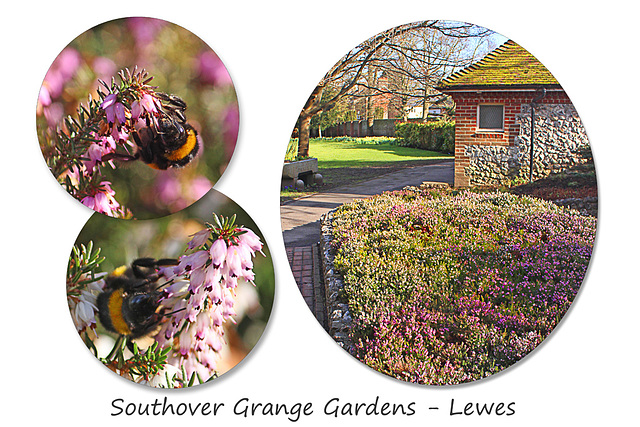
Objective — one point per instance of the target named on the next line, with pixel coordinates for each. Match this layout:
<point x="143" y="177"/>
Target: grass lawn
<point x="348" y="160"/>
<point x="335" y="154"/>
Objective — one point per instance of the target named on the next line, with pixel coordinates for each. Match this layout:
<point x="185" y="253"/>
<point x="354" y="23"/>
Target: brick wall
<point x="467" y="135"/>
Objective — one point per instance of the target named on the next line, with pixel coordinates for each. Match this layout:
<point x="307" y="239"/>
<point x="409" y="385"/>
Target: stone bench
<point x="301" y="170"/>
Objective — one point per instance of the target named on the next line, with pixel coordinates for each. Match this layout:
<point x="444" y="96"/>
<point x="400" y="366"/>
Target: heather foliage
<point x="446" y="288"/>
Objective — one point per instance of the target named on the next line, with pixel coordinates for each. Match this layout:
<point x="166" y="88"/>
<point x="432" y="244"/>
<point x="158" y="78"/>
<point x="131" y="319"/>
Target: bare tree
<point x="413" y="57"/>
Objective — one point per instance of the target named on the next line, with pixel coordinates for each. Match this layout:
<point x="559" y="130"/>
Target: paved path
<point x="300" y="221"/>
<point x="300" y="218"/>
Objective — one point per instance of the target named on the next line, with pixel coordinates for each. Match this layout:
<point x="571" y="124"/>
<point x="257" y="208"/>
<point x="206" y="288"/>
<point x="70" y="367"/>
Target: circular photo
<point x="172" y="302"/>
<point x="137" y="118"/>
<point x="439" y="202"/>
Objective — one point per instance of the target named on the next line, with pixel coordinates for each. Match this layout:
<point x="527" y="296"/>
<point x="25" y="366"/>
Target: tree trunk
<point x="303" y="136"/>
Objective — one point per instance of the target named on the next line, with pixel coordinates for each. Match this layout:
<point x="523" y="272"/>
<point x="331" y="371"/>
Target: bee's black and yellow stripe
<point x="110" y="306"/>
<point x="115" y="320"/>
<point x="186" y="149"/>
<point x="178" y="157"/>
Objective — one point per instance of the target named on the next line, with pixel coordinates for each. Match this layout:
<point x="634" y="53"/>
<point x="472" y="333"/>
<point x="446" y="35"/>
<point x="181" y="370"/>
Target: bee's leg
<point x="145" y="268"/>
<point x="166" y="261"/>
<point x="174" y="100"/>
<point x="120" y="157"/>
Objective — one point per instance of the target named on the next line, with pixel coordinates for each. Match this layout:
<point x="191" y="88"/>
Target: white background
<point x="276" y="52"/>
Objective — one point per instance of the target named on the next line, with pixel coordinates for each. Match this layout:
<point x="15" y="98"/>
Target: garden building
<point x="493" y="99"/>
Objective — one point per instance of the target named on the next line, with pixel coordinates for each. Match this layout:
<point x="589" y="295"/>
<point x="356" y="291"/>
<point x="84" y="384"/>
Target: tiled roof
<point x="508" y="66"/>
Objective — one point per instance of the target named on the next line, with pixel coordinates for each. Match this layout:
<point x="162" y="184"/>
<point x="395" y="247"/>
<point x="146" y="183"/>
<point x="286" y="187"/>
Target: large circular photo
<point x="137" y="118"/>
<point x="439" y="202"/>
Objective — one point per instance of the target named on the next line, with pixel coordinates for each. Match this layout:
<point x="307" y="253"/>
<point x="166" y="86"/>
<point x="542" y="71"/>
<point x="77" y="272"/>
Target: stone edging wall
<point x="337" y="312"/>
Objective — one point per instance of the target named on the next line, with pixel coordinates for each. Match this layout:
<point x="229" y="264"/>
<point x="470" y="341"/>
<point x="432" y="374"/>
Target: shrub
<point x="434" y="136"/>
<point x="445" y="289"/>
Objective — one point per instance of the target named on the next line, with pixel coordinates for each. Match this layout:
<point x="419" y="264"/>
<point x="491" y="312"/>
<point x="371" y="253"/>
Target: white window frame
<point x="479" y="129"/>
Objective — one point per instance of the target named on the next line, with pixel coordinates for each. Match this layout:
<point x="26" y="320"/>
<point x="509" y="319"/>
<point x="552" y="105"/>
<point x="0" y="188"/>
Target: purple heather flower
<point x="113" y="109"/>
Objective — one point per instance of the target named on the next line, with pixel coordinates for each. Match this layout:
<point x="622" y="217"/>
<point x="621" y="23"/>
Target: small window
<point x="491" y="117"/>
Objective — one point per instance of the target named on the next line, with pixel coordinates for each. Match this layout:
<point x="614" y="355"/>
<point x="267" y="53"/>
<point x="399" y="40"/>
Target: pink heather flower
<point x="213" y="338"/>
<point x="44" y="97"/>
<point x="61" y="71"/>
<point x="84" y="307"/>
<point x="149" y="103"/>
<point x="193" y="261"/>
<point x="216" y="290"/>
<point x="197" y="279"/>
<point x="211" y="277"/>
<point x="146" y="104"/>
<point x="233" y="261"/>
<point x="199" y="238"/>
<point x="176" y="287"/>
<point x="102" y="203"/>
<point x="103" y="200"/>
<point x="54" y="114"/>
<point x="217" y="319"/>
<point x="245" y="253"/>
<point x="95" y="153"/>
<point x="250" y="239"/>
<point x="218" y="252"/>
<point x="203" y="324"/>
<point x="67" y="63"/>
<point x="228" y="279"/>
<point x="119" y="134"/>
<point x="249" y="276"/>
<point x="196" y="304"/>
<point x="187" y="339"/>
<point x="208" y="358"/>
<point x="84" y="311"/>
<point x="113" y="109"/>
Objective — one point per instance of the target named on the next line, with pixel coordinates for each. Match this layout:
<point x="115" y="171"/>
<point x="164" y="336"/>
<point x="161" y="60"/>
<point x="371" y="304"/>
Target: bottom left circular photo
<point x="171" y="302"/>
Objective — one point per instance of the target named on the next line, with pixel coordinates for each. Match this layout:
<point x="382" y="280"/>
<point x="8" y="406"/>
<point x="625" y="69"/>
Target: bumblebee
<point x="131" y="303"/>
<point x="166" y="142"/>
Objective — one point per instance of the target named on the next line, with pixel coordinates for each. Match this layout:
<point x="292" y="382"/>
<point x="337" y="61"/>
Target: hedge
<point x="434" y="136"/>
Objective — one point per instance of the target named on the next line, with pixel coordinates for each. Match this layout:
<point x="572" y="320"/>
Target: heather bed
<point x="446" y="287"/>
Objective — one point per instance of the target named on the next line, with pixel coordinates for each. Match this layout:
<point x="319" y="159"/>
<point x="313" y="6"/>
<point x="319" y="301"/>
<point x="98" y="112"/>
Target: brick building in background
<point x="493" y="100"/>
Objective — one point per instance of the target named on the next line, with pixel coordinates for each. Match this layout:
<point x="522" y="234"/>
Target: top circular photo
<point x="137" y="118"/>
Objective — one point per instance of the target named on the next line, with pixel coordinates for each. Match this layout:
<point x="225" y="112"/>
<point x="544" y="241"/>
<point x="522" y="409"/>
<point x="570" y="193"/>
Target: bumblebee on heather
<point x="167" y="140"/>
<point x="131" y="303"/>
